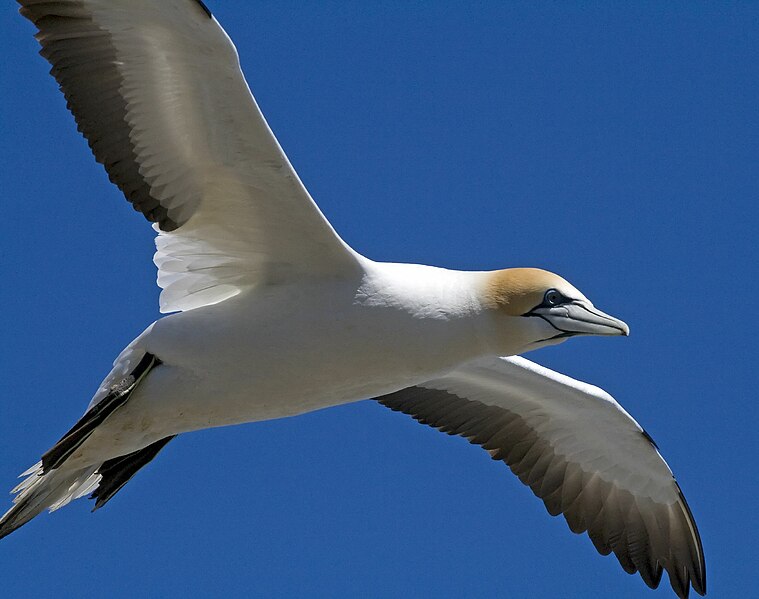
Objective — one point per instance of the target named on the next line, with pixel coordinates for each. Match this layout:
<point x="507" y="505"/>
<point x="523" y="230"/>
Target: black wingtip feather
<point x="205" y="8"/>
<point x="699" y="580"/>
<point x="649" y="438"/>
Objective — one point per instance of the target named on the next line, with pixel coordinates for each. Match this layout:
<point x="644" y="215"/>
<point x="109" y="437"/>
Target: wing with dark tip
<point x="579" y="451"/>
<point x="157" y="90"/>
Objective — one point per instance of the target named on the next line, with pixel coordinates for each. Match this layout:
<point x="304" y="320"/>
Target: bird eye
<point x="553" y="297"/>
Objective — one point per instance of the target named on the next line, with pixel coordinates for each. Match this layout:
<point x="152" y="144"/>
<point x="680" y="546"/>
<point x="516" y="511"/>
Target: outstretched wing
<point x="579" y="451"/>
<point x="157" y="90"/>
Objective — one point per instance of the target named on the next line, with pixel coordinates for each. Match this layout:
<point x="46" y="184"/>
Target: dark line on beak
<point x="562" y="333"/>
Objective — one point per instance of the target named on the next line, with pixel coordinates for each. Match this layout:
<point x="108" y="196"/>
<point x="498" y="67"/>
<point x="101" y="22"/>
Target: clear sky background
<point x="616" y="146"/>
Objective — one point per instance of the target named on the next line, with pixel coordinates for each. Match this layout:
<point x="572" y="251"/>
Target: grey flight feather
<point x="84" y="63"/>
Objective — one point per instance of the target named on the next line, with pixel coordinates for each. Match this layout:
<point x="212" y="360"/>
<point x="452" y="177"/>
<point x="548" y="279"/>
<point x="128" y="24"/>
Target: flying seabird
<point x="272" y="314"/>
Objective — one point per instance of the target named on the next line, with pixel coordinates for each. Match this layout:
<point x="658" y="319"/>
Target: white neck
<point x="441" y="308"/>
<point x="446" y="306"/>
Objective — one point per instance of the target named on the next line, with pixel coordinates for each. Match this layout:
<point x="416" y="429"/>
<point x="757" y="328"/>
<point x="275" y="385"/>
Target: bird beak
<point x="582" y="319"/>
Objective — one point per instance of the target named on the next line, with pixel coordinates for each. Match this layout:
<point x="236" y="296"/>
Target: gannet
<point x="271" y="314"/>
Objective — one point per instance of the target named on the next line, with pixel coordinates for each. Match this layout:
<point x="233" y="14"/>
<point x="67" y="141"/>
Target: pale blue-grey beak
<point x="580" y="318"/>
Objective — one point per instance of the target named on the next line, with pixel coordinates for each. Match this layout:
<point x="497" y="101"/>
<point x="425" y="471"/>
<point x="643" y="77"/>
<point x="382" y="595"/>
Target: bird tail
<point x="52" y="489"/>
<point x="54" y="481"/>
<point x="49" y="490"/>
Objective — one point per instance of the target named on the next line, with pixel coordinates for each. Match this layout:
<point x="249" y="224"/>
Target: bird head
<point x="538" y="308"/>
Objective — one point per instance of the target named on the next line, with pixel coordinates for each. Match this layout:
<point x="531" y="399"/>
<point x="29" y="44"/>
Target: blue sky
<point x="616" y="146"/>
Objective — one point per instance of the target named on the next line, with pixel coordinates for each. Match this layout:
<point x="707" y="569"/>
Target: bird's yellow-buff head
<point x="544" y="308"/>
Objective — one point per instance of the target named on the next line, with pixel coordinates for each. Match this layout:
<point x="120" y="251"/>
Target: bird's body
<point x="274" y="315"/>
<point x="288" y="349"/>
